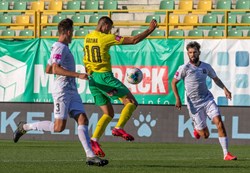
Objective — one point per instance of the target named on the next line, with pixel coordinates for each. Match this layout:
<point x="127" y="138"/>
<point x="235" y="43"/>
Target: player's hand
<point x="178" y="104"/>
<point x="84" y="76"/>
<point x="228" y="94"/>
<point x="152" y="25"/>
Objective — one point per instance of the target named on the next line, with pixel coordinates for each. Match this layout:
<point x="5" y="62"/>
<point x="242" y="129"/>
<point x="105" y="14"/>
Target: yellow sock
<point x="125" y="114"/>
<point x="101" y="126"/>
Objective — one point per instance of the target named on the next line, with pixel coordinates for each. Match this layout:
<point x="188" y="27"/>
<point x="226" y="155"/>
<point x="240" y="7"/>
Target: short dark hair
<point x="65" y="25"/>
<point x="106" y="20"/>
<point x="193" y="44"/>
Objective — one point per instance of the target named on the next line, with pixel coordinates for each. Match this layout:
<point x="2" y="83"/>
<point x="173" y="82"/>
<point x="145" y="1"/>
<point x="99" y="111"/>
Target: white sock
<point x="224" y="144"/>
<point x="83" y="135"/>
<point x="40" y="126"/>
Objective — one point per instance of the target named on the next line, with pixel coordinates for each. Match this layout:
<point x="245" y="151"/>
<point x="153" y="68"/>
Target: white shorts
<point x="209" y="110"/>
<point x="68" y="103"/>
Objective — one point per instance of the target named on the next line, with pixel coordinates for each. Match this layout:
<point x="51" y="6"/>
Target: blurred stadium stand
<point x="41" y="17"/>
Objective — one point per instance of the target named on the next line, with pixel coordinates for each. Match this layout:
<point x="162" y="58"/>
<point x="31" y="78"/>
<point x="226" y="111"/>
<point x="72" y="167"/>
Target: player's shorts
<point x="67" y="103"/>
<point x="210" y="110"/>
<point x="104" y="86"/>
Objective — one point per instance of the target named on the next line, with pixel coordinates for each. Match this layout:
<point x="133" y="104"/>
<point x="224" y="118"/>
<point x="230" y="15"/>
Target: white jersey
<point x="67" y="101"/>
<point x="61" y="55"/>
<point x="195" y="84"/>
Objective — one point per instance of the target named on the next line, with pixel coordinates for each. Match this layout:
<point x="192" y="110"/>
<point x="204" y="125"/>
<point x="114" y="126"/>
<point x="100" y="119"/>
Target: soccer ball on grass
<point x="134" y="75"/>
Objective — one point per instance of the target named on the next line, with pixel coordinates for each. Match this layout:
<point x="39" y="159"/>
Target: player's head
<point x="104" y="25"/>
<point x="65" y="29"/>
<point x="193" y="51"/>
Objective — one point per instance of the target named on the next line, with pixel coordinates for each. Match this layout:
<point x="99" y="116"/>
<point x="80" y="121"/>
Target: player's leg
<point x="108" y="114"/>
<point x="214" y="114"/>
<point x="23" y="127"/>
<point x="76" y="111"/>
<point x="130" y="105"/>
<point x="115" y="89"/>
<point x="223" y="139"/>
<point x="84" y="138"/>
<point x="60" y="114"/>
<point x="200" y="125"/>
<point x="99" y="90"/>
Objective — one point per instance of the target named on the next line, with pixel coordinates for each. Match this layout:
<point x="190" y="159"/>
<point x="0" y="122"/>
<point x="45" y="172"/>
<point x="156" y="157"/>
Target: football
<point x="134" y="75"/>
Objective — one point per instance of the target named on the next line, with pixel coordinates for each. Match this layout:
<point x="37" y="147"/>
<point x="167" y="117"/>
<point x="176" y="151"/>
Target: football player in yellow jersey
<point x="103" y="85"/>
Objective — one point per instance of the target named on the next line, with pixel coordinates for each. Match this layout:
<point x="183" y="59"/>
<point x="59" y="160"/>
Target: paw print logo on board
<point x="145" y="125"/>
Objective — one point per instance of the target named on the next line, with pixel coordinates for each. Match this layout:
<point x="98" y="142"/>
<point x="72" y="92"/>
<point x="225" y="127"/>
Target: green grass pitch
<point x="124" y="157"/>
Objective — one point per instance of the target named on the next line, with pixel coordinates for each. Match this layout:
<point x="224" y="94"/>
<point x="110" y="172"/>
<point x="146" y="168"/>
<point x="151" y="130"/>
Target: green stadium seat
<point x="235" y="33"/>
<point x="72" y="5"/>
<point x="166" y="5"/>
<point x="109" y="5"/>
<point x="151" y="17"/>
<point x="91" y="5"/>
<point x="56" y="19"/>
<point x="82" y="32"/>
<point x="158" y="32"/>
<point x="241" y="5"/>
<point x="93" y="19"/>
<point x="137" y="31"/>
<point x="215" y="33"/>
<point x="208" y="18"/>
<point x="4" y="6"/>
<point x="26" y="33"/>
<point x="245" y="19"/>
<point x="78" y="19"/>
<point x="18" y="6"/>
<point x="195" y="33"/>
<point x="5" y="19"/>
<point x="46" y="32"/>
<point x="177" y="32"/>
<point x="222" y="5"/>
<point x="232" y="19"/>
<point x="8" y="33"/>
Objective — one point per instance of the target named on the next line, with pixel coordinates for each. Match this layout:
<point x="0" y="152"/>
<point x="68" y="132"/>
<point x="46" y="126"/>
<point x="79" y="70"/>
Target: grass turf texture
<point x="124" y="157"/>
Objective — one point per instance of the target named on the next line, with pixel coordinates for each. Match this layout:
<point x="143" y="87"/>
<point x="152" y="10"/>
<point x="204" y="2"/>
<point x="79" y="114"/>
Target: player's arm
<point x="48" y="69"/>
<point x="176" y="93"/>
<point x="58" y="70"/>
<point x="137" y="38"/>
<point x="220" y="84"/>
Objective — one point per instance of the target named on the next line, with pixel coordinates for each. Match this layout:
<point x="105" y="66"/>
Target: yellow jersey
<point x="96" y="51"/>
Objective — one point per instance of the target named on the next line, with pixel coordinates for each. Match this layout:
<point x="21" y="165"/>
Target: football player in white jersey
<point x="67" y="101"/>
<point x="200" y="101"/>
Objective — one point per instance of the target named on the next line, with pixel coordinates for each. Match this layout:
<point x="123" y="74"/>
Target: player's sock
<point x="40" y="126"/>
<point x="101" y="126"/>
<point x="224" y="144"/>
<point x="125" y="115"/>
<point x="83" y="135"/>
